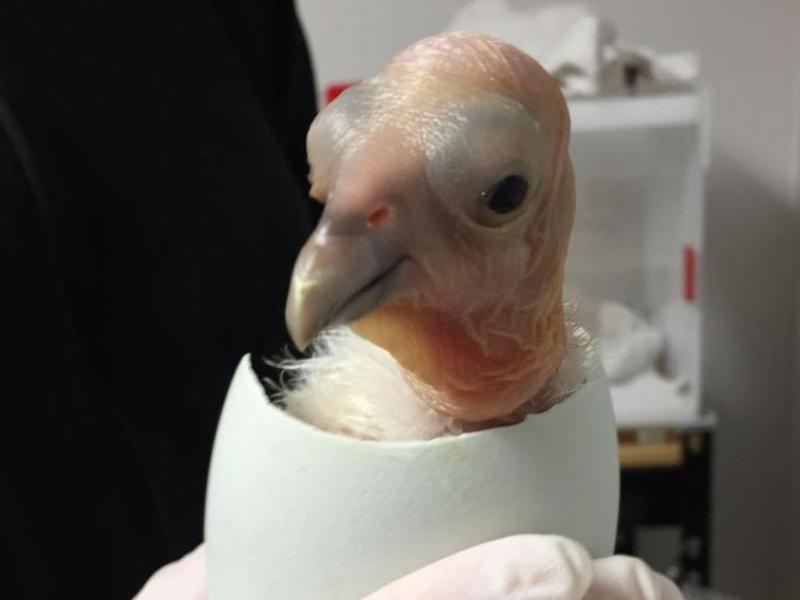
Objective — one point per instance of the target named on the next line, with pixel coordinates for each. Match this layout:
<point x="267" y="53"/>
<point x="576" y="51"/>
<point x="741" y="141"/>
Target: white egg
<point x="298" y="513"/>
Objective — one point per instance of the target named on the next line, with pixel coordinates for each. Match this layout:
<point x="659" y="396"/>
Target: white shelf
<point x="669" y="110"/>
<point x="639" y="163"/>
<point x="706" y="421"/>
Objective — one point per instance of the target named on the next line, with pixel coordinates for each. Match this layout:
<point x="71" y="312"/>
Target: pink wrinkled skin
<point x="474" y="311"/>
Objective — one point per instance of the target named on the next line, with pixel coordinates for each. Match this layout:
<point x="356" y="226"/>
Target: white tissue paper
<point x="630" y="348"/>
<point x="579" y="48"/>
<point x="630" y="345"/>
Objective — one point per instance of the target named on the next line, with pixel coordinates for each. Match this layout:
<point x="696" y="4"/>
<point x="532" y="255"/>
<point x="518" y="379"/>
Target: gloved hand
<point x="528" y="567"/>
<point x="531" y="567"/>
<point x="184" y="579"/>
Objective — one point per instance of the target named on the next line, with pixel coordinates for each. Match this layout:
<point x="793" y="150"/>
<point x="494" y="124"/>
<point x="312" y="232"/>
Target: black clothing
<point x="152" y="201"/>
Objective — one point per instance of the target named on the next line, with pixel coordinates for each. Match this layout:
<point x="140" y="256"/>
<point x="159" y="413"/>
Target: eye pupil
<point x="507" y="195"/>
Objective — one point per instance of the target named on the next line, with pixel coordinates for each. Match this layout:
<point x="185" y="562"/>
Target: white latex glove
<point x="524" y="567"/>
<point x="184" y="579"/>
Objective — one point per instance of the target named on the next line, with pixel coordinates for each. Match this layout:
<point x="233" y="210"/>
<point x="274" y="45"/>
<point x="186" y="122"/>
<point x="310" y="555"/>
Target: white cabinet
<point x="639" y="164"/>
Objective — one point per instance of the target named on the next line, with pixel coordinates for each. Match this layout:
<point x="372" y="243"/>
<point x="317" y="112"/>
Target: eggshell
<point x="297" y="513"/>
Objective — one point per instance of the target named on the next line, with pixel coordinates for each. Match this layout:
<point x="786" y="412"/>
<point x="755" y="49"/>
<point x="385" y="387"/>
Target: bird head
<point x="449" y="201"/>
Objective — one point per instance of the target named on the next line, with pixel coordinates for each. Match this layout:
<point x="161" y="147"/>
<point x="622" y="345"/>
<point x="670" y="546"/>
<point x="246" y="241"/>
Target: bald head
<point x="449" y="203"/>
<point x="485" y="65"/>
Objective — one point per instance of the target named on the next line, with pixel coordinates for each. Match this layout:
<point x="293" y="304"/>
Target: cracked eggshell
<point x="295" y="512"/>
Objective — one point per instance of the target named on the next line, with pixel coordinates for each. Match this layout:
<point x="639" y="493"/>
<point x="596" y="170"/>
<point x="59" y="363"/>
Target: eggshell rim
<point x="344" y="439"/>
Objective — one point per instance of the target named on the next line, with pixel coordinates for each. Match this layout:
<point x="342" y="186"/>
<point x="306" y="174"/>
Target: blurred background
<point x="686" y="127"/>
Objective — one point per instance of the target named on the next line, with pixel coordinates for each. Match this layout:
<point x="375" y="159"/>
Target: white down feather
<point x="351" y="386"/>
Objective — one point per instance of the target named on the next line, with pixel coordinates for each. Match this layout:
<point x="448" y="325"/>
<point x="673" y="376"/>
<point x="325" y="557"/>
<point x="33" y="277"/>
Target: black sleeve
<point x="168" y="145"/>
<point x="260" y="31"/>
<point x="64" y="447"/>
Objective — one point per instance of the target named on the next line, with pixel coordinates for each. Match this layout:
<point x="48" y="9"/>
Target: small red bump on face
<point x="378" y="216"/>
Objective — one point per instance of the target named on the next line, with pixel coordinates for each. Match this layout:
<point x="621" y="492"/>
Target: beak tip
<point x="300" y="343"/>
<point x="300" y="339"/>
<point x="301" y="331"/>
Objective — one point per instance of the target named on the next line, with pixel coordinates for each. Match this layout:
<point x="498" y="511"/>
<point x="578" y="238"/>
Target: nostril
<point x="378" y="216"/>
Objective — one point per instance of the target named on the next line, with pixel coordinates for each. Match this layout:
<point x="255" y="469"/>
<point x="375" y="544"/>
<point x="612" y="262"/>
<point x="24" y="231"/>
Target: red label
<point x="334" y="89"/>
<point x="689" y="273"/>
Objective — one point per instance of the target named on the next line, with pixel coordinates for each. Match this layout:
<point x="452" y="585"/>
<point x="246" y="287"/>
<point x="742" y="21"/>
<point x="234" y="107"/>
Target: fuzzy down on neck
<point x="353" y="387"/>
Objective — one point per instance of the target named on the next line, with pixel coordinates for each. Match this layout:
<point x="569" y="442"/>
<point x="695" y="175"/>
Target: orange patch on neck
<point x="471" y="376"/>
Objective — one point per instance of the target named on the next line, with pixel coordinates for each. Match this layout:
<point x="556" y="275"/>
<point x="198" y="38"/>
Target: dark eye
<point x="507" y="195"/>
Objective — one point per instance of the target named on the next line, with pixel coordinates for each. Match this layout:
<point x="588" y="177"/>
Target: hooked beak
<point x="342" y="273"/>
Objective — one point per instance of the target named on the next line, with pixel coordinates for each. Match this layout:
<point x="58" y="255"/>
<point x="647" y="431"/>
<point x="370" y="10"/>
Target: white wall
<point x="749" y="53"/>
